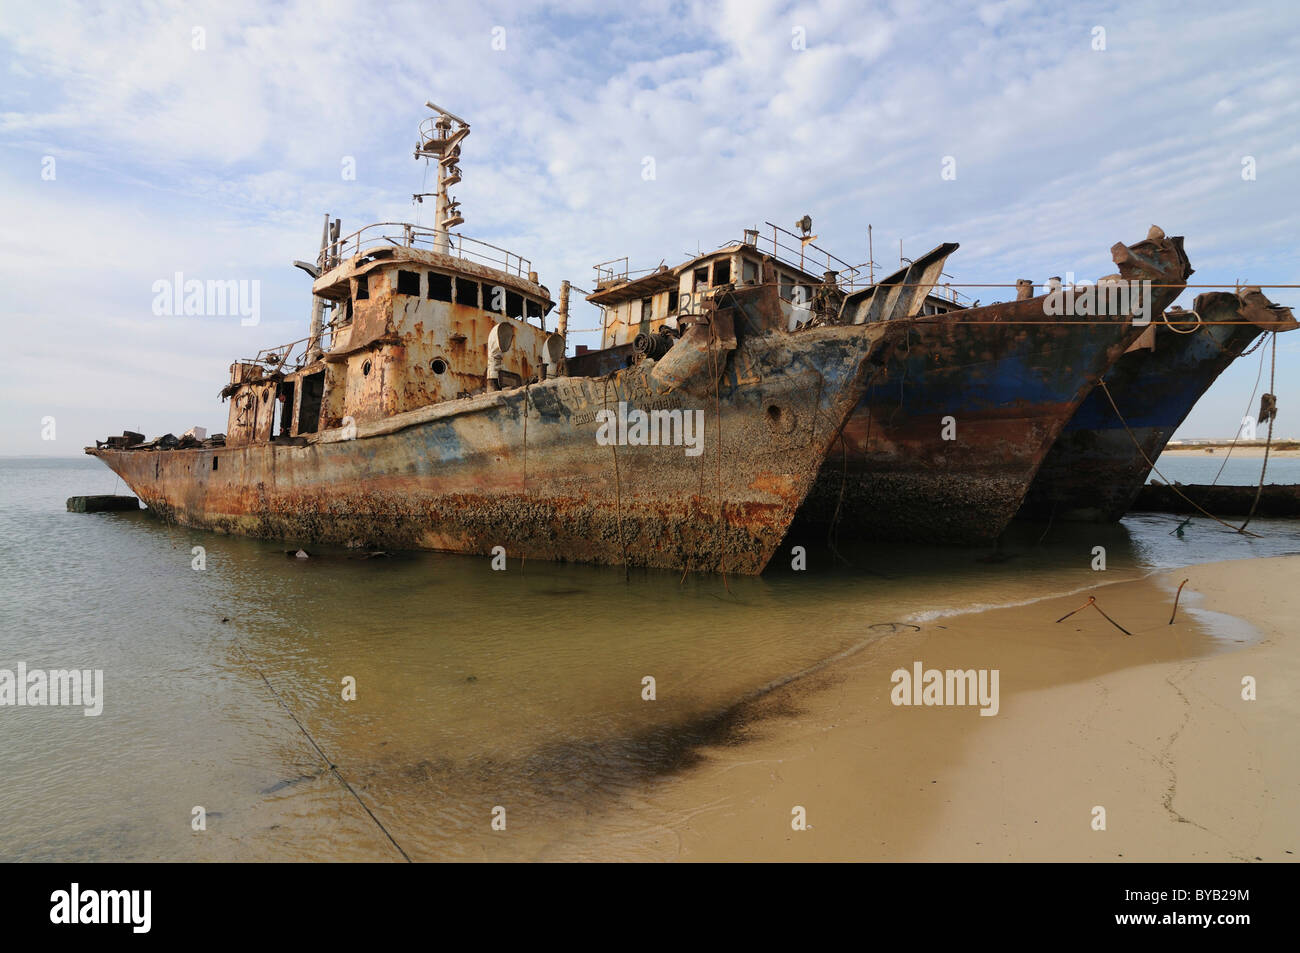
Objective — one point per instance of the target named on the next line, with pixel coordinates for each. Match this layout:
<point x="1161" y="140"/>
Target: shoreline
<point x="1246" y="451"/>
<point x="1151" y="727"/>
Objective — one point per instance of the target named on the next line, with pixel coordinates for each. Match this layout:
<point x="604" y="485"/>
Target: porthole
<point x="780" y="419"/>
<point x="438" y="366"/>
<point x="365" y="369"/>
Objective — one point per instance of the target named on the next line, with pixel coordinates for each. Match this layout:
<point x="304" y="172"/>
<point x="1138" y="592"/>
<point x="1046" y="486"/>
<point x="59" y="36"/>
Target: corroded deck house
<point x="416" y="316"/>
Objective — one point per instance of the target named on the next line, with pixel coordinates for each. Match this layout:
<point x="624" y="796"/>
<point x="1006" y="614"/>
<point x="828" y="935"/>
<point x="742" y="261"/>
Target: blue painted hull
<point x="1097" y="467"/>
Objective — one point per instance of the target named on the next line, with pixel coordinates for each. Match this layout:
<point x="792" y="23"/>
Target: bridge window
<point x="748" y="271"/>
<point x="534" y="308"/>
<point x="721" y="272"/>
<point x="363" y="287"/>
<point x="439" y="286"/>
<point x="701" y="276"/>
<point x="467" y="292"/>
<point x="787" y="286"/>
<point x="647" y="308"/>
<point x="408" y="283"/>
<point x="672" y="302"/>
<point x="514" y="304"/>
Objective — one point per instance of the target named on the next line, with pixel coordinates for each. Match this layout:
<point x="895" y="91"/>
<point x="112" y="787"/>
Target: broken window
<point x="466" y="292"/>
<point x="408" y="283"/>
<point x="363" y="287"/>
<point x="313" y="390"/>
<point x="534" y="308"/>
<point x="647" y="309"/>
<point x="439" y="286"/>
<point x="748" y="271"/>
<point x="721" y="272"/>
<point x="514" y="304"/>
<point x="701" y="276"/>
<point x="672" y="302"/>
<point x="787" y="286"/>
<point x="285" y="395"/>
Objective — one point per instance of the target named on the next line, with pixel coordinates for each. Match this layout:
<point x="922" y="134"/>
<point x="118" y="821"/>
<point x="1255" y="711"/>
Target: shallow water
<point x="474" y="689"/>
<point x="1234" y="470"/>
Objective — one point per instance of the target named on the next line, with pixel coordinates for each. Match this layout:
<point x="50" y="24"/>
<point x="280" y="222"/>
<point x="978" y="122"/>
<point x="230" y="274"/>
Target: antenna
<point x="440" y="138"/>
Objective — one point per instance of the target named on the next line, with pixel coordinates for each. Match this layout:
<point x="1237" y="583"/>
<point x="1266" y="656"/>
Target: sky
<point x="138" y="141"/>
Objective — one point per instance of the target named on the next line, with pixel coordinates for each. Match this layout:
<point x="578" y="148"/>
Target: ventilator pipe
<point x="553" y="356"/>
<point x="500" y="338"/>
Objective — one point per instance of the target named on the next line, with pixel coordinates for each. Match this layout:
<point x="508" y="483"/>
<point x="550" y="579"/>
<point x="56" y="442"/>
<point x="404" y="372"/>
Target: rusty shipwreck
<point x="1099" y="463"/>
<point x="950" y="431"/>
<point x="431" y="407"/>
<point x="949" y="435"/>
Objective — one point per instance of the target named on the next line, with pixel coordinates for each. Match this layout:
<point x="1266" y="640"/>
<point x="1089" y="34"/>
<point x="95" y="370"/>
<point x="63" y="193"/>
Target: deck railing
<point x="406" y="235"/>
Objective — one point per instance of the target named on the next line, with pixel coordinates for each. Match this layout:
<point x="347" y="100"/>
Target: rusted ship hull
<point x="1004" y="392"/>
<point x="944" y="444"/>
<point x="1097" y="467"/>
<point x="522" y="469"/>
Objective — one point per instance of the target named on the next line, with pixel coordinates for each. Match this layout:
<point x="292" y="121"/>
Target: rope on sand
<point x="1177" y="596"/>
<point x="1092" y="601"/>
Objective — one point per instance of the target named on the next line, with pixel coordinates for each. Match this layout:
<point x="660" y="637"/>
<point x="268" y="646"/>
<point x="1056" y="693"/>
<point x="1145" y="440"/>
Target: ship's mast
<point x="440" y="138"/>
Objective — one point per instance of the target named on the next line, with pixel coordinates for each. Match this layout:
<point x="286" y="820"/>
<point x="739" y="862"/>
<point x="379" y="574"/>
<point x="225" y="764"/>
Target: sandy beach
<point x="1150" y="727"/>
<point x="1251" y="451"/>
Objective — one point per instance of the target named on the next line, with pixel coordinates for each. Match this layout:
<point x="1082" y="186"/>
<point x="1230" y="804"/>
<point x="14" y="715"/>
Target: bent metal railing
<point x="404" y="234"/>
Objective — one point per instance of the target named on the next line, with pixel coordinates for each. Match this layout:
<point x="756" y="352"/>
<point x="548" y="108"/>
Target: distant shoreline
<point x="1280" y="448"/>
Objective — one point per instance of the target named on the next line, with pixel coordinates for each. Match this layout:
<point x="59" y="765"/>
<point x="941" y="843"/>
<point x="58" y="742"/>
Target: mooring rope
<point x="1268" y="444"/>
<point x="1249" y="404"/>
<point x="324" y="757"/>
<point x="714" y="346"/>
<point x="618" y="491"/>
<point x="523" y="558"/>
<point x="832" y="531"/>
<point x="1151" y="464"/>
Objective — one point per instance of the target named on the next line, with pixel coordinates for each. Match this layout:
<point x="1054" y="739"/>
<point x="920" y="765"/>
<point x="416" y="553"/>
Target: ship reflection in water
<point x="474" y="688"/>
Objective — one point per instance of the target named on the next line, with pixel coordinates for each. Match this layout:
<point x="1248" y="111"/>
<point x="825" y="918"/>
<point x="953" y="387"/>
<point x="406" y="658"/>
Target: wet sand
<point x="1151" y="727"/>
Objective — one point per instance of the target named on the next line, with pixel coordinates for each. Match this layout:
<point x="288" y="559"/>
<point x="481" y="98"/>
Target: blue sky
<point x="219" y="161"/>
